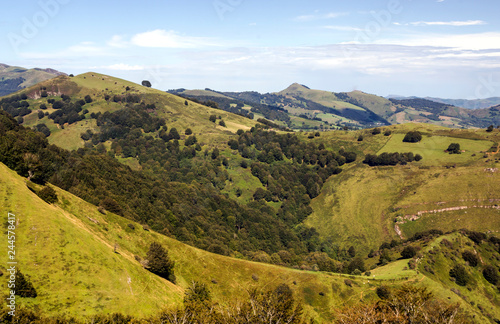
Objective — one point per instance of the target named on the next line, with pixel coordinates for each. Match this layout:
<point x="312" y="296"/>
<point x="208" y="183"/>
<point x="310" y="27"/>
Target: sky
<point x="437" y="48"/>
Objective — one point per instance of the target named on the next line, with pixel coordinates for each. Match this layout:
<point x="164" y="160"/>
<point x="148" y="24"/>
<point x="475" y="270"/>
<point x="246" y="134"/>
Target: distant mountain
<point x="469" y="104"/>
<point x="463" y="103"/>
<point x="14" y="78"/>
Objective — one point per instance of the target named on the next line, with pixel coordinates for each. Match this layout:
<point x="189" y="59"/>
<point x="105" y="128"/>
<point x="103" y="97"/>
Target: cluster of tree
<point x="408" y="304"/>
<point x="172" y="195"/>
<point x="158" y="262"/>
<point x="276" y="305"/>
<point x="391" y="158"/>
<point x="422" y="104"/>
<point x="16" y="105"/>
<point x="412" y="137"/>
<point x="10" y="85"/>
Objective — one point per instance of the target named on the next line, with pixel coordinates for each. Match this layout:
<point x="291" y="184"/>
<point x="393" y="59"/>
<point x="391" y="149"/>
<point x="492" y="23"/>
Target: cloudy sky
<point x="442" y="48"/>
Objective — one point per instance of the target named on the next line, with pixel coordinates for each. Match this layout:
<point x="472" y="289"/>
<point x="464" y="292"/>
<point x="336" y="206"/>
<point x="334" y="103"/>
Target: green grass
<point x="432" y="148"/>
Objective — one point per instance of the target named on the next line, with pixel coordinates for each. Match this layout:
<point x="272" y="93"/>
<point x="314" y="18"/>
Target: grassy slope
<point x="325" y="98"/>
<point x="358" y="207"/>
<point x="171" y="107"/>
<point x="68" y="252"/>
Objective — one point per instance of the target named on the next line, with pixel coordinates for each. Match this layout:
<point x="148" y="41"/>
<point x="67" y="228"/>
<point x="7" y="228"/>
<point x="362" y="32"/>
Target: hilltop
<point x="14" y="78"/>
<point x="310" y="109"/>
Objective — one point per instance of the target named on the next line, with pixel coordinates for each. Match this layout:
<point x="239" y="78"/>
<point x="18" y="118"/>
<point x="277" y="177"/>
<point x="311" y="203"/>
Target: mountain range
<point x="242" y="203"/>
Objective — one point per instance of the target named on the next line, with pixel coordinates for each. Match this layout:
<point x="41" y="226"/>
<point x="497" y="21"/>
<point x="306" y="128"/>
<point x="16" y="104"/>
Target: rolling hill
<point x="324" y="110"/>
<point x="13" y="78"/>
<point x="228" y="184"/>
<point x="83" y="262"/>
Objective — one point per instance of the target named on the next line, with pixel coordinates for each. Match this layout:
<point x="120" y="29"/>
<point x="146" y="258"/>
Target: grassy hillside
<point x="363" y="205"/>
<point x="83" y="262"/>
<point x="172" y="108"/>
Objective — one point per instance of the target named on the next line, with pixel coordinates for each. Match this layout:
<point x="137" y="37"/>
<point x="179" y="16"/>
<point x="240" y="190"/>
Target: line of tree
<point x="391" y="158"/>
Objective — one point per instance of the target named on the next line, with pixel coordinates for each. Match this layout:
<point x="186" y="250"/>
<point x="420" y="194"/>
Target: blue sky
<point x="443" y="48"/>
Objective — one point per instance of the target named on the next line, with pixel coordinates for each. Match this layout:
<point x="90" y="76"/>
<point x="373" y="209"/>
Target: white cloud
<point x="477" y="41"/>
<point x="170" y="39"/>
<point x="117" y="41"/>
<point x="449" y="23"/>
<point x="329" y="15"/>
<point x="123" y="67"/>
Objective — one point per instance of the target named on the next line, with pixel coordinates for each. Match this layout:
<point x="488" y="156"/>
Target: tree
<point x="490" y="273"/>
<point x="215" y="153"/>
<point x="212" y="118"/>
<point x="460" y="274"/>
<point x="48" y="195"/>
<point x="88" y="99"/>
<point x="357" y="263"/>
<point x="490" y="129"/>
<point x="360" y="138"/>
<point x="376" y="131"/>
<point x="222" y="123"/>
<point x="188" y="131"/>
<point x="387" y="133"/>
<point x="111" y="205"/>
<point x="413" y="137"/>
<point x="159" y="262"/>
<point x="471" y="258"/>
<point x="454" y="148"/>
<point x="146" y="83"/>
<point x="408" y="252"/>
<point x="352" y="251"/>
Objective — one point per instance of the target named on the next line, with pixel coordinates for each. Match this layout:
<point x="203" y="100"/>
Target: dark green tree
<point x="88" y="99"/>
<point x="159" y="263"/>
<point x="412" y="137"/>
<point x="48" y="195"/>
<point x="212" y="118"/>
<point x="460" y="274"/>
<point x="490" y="273"/>
<point x="408" y="252"/>
<point x="146" y="83"/>
<point x="454" y="148"/>
<point x="188" y="131"/>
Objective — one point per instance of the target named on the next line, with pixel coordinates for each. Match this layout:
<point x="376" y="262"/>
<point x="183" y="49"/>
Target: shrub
<point x="360" y="138"/>
<point x="471" y="258"/>
<point x="111" y="205"/>
<point x="88" y="99"/>
<point x="460" y="275"/>
<point x="454" y="148"/>
<point x="48" y="195"/>
<point x="408" y="252"/>
<point x="490" y="129"/>
<point x="387" y="133"/>
<point x="383" y="292"/>
<point x="222" y="123"/>
<point x="212" y="118"/>
<point x="376" y="131"/>
<point x="413" y="137"/>
<point x="188" y="131"/>
<point x="159" y="262"/>
<point x="490" y="273"/>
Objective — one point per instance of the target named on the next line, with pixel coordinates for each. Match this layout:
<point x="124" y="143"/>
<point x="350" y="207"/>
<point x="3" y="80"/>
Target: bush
<point x="48" y="195"/>
<point x="360" y="138"/>
<point x="188" y="131"/>
<point x="159" y="262"/>
<point x="222" y="123"/>
<point x="376" y="131"/>
<point x="383" y="292"/>
<point x="111" y="205"/>
<point x="413" y="137"/>
<point x="408" y="252"/>
<point x="490" y="273"/>
<point x="212" y="118"/>
<point x="454" y="148"/>
<point x="387" y="133"/>
<point x="490" y="129"/>
<point x="471" y="258"/>
<point x="460" y="274"/>
<point x="88" y="99"/>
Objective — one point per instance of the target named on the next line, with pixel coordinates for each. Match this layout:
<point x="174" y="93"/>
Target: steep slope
<point x="365" y="206"/>
<point x="13" y="78"/>
<point x="177" y="112"/>
<point x="83" y="262"/>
